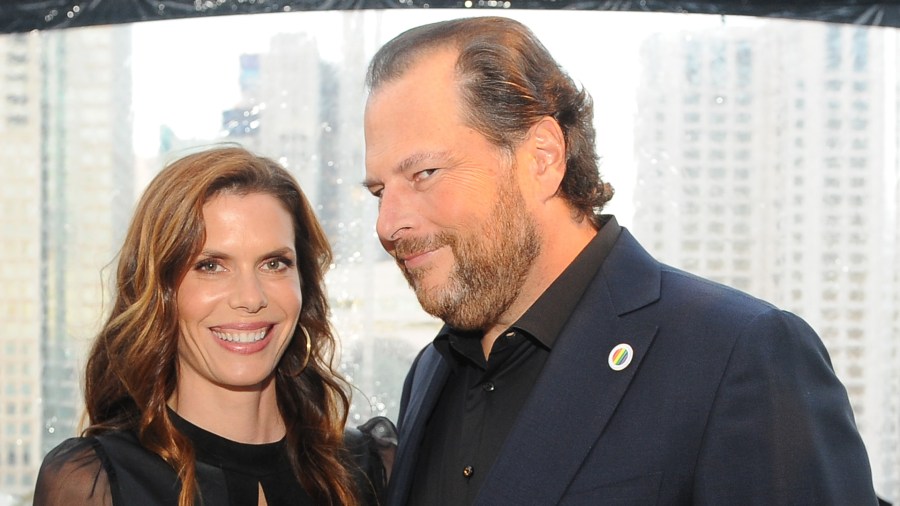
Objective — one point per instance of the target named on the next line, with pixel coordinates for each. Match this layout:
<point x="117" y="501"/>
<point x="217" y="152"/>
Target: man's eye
<point x="423" y="174"/>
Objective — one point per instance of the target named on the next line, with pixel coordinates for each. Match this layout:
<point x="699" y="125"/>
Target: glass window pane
<point x="761" y="153"/>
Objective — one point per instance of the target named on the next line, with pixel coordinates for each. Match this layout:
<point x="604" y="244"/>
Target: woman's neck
<point x="245" y="416"/>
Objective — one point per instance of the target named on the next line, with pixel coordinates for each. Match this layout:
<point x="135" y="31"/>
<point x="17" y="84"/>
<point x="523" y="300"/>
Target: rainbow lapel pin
<point x="620" y="357"/>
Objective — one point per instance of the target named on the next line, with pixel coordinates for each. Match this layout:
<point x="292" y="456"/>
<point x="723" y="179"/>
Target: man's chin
<point x="453" y="313"/>
<point x="429" y="302"/>
<point x="435" y="302"/>
<point x="425" y="283"/>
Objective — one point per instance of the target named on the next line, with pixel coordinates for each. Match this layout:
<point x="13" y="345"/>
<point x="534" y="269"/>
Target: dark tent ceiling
<point x="27" y="15"/>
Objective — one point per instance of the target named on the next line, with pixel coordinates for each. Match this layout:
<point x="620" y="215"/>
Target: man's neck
<point x="559" y="249"/>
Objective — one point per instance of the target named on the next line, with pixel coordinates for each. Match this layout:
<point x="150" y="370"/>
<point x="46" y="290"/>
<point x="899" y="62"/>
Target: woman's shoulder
<point x="371" y="447"/>
<point x="97" y="470"/>
<point x="73" y="473"/>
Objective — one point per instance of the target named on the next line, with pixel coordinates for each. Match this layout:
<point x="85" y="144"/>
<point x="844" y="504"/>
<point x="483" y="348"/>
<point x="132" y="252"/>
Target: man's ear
<point x="549" y="150"/>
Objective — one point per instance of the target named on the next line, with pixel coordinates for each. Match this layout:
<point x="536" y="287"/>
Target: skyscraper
<point x="21" y="303"/>
<point x="761" y="165"/>
<point x="68" y="131"/>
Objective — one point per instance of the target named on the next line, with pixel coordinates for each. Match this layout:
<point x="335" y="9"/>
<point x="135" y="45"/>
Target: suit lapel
<point x="429" y="377"/>
<point x="578" y="391"/>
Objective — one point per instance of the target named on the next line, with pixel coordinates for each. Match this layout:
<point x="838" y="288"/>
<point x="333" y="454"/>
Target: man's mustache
<point x="409" y="246"/>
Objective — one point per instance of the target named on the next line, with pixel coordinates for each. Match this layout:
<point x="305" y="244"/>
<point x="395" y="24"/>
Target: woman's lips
<point x="244" y="338"/>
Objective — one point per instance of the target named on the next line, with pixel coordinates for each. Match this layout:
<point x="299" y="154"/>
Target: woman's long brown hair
<point x="140" y="338"/>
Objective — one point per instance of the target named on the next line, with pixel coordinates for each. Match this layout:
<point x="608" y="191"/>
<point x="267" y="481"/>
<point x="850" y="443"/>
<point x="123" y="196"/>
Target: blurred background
<point x="746" y="147"/>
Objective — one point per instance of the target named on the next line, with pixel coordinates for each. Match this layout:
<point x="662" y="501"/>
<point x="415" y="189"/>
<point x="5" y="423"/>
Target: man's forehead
<point x="426" y="65"/>
<point x="430" y="88"/>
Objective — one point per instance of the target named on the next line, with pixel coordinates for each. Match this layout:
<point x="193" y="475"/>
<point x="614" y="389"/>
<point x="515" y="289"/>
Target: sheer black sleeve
<point x="73" y="473"/>
<point x="372" y="446"/>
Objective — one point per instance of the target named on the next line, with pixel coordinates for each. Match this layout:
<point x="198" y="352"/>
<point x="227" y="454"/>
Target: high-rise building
<point x="307" y="112"/>
<point x="242" y="122"/>
<point x="290" y="107"/>
<point x="21" y="303"/>
<point x="761" y="165"/>
<point x="68" y="133"/>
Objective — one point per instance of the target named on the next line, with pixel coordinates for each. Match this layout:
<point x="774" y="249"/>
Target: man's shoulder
<point x="644" y="287"/>
<point x="426" y="359"/>
<point x="696" y="289"/>
<point x="689" y="303"/>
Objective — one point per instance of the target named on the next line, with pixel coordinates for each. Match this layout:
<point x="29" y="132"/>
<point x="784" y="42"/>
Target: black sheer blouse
<point x="113" y="469"/>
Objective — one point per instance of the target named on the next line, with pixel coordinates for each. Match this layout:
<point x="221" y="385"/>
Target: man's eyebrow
<point x="408" y="162"/>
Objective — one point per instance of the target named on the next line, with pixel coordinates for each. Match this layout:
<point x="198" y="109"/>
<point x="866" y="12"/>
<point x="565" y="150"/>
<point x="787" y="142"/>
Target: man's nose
<point x="394" y="216"/>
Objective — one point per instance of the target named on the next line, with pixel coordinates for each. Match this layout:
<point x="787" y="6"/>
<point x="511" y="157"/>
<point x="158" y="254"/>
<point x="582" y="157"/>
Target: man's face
<point x="451" y="208"/>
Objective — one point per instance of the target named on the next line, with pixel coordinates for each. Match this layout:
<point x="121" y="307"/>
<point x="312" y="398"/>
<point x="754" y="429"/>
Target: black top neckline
<point x="257" y="460"/>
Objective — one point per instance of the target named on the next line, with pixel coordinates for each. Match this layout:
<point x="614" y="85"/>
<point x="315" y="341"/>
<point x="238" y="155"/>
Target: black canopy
<point x="27" y="15"/>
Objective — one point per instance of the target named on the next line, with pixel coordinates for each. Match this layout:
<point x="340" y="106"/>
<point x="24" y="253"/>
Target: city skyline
<point x="704" y="121"/>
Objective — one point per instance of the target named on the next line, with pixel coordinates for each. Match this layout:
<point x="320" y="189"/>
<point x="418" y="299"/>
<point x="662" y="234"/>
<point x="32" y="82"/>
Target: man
<point x="573" y="368"/>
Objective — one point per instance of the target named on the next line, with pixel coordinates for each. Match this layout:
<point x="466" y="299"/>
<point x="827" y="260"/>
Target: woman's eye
<point x="278" y="264"/>
<point x="208" y="266"/>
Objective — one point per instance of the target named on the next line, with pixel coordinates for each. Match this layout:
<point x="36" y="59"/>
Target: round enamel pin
<point x="620" y="357"/>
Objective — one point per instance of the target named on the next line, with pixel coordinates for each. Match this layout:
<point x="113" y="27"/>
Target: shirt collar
<point x="545" y="319"/>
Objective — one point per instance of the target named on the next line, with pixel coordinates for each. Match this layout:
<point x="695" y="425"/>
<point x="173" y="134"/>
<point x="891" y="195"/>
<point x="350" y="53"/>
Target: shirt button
<point x="488" y="387"/>
<point x="468" y="471"/>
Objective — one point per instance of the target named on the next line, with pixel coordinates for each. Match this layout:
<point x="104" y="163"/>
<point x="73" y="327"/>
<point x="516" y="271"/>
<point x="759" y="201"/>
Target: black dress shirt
<point x="482" y="398"/>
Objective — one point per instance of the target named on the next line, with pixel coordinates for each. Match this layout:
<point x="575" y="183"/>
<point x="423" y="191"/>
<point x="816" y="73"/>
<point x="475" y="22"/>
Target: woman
<point x="212" y="379"/>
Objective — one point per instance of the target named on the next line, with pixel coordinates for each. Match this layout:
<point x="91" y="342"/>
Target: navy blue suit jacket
<point x="728" y="401"/>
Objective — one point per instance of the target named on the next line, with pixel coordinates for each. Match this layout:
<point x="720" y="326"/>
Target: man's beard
<point x="491" y="266"/>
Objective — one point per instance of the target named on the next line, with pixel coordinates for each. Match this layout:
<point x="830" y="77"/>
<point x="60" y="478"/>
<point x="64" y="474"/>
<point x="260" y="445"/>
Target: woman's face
<point x="240" y="300"/>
